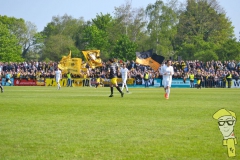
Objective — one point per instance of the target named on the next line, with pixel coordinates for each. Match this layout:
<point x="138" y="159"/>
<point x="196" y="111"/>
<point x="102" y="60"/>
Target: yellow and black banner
<point x="80" y="82"/>
<point x="93" y="58"/>
<point x="148" y="58"/>
<point x="72" y="65"/>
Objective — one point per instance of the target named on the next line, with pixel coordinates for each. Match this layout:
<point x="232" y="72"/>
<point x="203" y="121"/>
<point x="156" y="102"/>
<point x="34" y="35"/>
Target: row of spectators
<point x="213" y="72"/>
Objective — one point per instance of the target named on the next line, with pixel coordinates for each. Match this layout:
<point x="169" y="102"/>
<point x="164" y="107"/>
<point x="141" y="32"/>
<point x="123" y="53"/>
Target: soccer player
<point x="1" y="84"/>
<point x="124" y="72"/>
<point x="1" y="88"/>
<point x="98" y="78"/>
<point x="8" y="78"/>
<point x="58" y="76"/>
<point x="167" y="72"/>
<point x="161" y="69"/>
<point x="113" y="77"/>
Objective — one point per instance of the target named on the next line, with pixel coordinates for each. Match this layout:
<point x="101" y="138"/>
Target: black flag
<point x="149" y="58"/>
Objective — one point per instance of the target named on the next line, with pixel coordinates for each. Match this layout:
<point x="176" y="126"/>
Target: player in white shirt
<point x="167" y="72"/>
<point x="124" y="73"/>
<point x="161" y="71"/>
<point x="58" y="76"/>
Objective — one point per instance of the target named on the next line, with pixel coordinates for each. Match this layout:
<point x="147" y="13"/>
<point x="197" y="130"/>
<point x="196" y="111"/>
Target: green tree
<point x="24" y="32"/>
<point x="61" y="35"/>
<point x="162" y="27"/>
<point x="16" y="27"/>
<point x="203" y="26"/>
<point x="57" y="46"/>
<point x="230" y="50"/>
<point x="10" y="50"/>
<point x="36" y="50"/>
<point x="131" y="22"/>
<point x="29" y="39"/>
<point x="64" y="25"/>
<point x="125" y="49"/>
<point x="96" y="35"/>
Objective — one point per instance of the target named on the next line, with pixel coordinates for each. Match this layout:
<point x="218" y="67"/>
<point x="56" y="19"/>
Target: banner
<point x="143" y="57"/>
<point x="235" y="84"/>
<point x="72" y="65"/>
<point x="156" y="61"/>
<point x="93" y="58"/>
<point x="25" y="82"/>
<point x="40" y="81"/>
<point x="178" y="83"/>
<point x="5" y="83"/>
<point x="149" y="58"/>
<point x="52" y="82"/>
<point x="76" y="82"/>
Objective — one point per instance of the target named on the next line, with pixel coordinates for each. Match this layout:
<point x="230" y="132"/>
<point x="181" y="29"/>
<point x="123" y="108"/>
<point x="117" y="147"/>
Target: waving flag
<point x="93" y="58"/>
<point x="68" y="64"/>
<point x="148" y="58"/>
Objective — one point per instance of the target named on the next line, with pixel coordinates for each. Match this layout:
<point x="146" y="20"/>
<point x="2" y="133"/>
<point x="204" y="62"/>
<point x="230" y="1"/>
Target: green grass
<point x="84" y="123"/>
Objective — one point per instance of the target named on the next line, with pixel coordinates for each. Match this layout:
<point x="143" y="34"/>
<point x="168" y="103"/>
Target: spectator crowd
<point x="213" y="73"/>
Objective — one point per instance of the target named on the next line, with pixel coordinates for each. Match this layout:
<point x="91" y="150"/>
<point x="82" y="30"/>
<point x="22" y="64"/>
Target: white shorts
<point x="163" y="82"/>
<point x="124" y="80"/>
<point x="167" y="83"/>
<point x="57" y="80"/>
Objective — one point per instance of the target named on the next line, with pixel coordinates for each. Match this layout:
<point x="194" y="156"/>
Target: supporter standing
<point x="69" y="79"/>
<point x="199" y="80"/>
<point x="221" y="78"/>
<point x="207" y="80"/>
<point x="184" y="66"/>
<point x="124" y="72"/>
<point x="86" y="81"/>
<point x="58" y="76"/>
<point x="167" y="76"/>
<point x="235" y="76"/>
<point x="191" y="77"/>
<point x="216" y="81"/>
<point x="146" y="79"/>
<point x="238" y="67"/>
<point x="229" y="79"/>
<point x="113" y="77"/>
<point x="203" y="79"/>
<point x="184" y="76"/>
<point x="211" y="80"/>
<point x="224" y="79"/>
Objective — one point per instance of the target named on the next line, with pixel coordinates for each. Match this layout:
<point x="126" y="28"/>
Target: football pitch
<point x="84" y="123"/>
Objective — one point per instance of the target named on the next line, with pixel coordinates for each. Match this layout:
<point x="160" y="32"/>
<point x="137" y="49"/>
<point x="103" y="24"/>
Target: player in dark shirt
<point x="1" y="83"/>
<point x="199" y="78"/>
<point x="1" y="87"/>
<point x="113" y="77"/>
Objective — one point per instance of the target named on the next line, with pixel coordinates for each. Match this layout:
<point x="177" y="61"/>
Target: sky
<point x="40" y="12"/>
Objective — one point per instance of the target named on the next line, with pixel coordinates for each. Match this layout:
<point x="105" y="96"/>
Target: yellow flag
<point x="67" y="57"/>
<point x="72" y="65"/>
<point x="93" y="58"/>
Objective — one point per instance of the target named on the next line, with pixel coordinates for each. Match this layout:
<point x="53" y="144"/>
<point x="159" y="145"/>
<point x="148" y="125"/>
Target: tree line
<point x="195" y="29"/>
